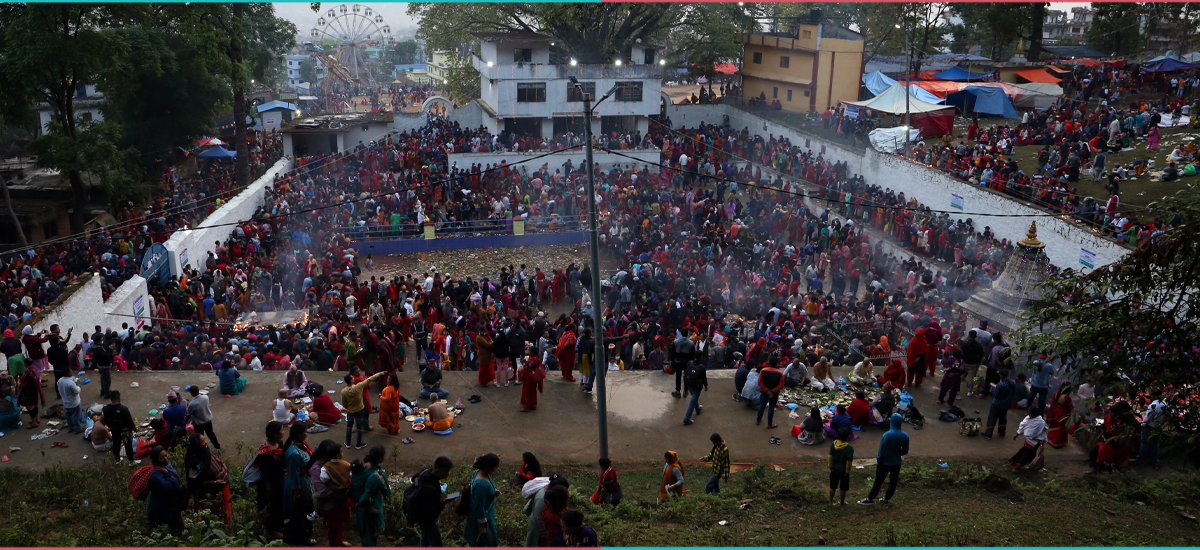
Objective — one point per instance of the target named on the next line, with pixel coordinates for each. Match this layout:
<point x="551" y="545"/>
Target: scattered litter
<point x="408" y="440"/>
<point x="86" y="503"/>
<point x="722" y="523"/>
<point x="943" y="464"/>
<point x="744" y="506"/>
<point x="5" y="459"/>
<point x="777" y="467"/>
<point x="14" y="449"/>
<point x="746" y="501"/>
<point x="339" y="382"/>
<point x="134" y="385"/>
<point x="85" y="381"/>
<point x="1140" y="503"/>
<point x="85" y="457"/>
<point x="859" y="467"/>
<point x="331" y="391"/>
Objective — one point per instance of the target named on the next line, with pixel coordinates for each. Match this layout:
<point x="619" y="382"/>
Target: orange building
<point x="808" y="67"/>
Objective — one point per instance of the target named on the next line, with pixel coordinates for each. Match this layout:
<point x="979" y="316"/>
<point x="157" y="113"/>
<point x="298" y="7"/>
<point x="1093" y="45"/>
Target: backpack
<point x="947" y="416"/>
<point x="139" y="482"/>
<point x="969" y="427"/>
<point x="462" y="506"/>
<point x="251" y="474"/>
<point x="914" y="417"/>
<point x="416" y="503"/>
<point x="691" y="376"/>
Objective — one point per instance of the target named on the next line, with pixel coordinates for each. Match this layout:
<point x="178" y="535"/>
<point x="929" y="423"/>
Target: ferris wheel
<point x="356" y="29"/>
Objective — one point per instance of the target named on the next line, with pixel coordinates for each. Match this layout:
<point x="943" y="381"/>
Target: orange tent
<point x="1038" y="75"/>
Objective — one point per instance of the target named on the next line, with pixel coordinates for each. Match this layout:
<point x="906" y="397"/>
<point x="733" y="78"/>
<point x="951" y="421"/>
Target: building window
<point x="805" y="93"/>
<point x="86" y="116"/>
<point x="807" y="34"/>
<point x="758" y="57"/>
<point x="531" y="92"/>
<point x="574" y="94"/>
<point x="523" y="55"/>
<point x="650" y="57"/>
<point x="789" y="95"/>
<point x="50" y="229"/>
<point x="784" y="61"/>
<point x="629" y="91"/>
<point x="775" y="92"/>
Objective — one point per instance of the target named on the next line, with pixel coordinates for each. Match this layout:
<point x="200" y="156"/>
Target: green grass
<point x="934" y="506"/>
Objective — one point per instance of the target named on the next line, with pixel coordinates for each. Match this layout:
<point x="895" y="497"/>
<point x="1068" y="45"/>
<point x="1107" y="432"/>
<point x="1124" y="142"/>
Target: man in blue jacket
<point x="892" y="449"/>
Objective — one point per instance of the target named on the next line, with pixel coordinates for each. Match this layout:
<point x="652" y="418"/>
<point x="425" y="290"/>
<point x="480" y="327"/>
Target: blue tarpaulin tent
<point x="218" y="152"/>
<point x="959" y="74"/>
<point x="1166" y="65"/>
<point x="983" y="100"/>
<point x="877" y="83"/>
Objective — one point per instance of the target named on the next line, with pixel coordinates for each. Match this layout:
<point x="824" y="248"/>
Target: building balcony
<point x="529" y="71"/>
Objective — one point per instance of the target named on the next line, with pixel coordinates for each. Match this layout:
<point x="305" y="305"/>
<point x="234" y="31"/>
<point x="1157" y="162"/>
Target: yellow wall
<point x="799" y="103"/>
<point x="838" y="70"/>
<point x="800" y="64"/>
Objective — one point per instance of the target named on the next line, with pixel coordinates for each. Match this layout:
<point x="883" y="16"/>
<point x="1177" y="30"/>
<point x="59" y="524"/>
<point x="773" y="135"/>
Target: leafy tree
<point x="1116" y="29"/>
<point x="47" y="53"/>
<point x="404" y="52"/>
<point x="252" y="38"/>
<point x="1132" y="326"/>
<point x="161" y="94"/>
<point x="462" y="80"/>
<point x="591" y="33"/>
<point x="308" y="71"/>
<point x="998" y="27"/>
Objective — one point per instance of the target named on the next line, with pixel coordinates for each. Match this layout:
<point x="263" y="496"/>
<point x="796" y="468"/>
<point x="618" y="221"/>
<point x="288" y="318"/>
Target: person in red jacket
<point x="325" y="412"/>
<point x="770" y="381"/>
<point x="860" y="410"/>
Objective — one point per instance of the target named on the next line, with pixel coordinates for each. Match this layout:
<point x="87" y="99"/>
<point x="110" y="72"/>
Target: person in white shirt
<point x="1034" y="428"/>
<point x="1151" y="421"/>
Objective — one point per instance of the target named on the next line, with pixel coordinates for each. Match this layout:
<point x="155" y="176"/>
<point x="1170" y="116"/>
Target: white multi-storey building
<point x="293" y="69"/>
<point x="523" y="92"/>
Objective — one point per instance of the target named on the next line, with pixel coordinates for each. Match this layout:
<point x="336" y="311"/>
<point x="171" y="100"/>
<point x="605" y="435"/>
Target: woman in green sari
<point x="369" y="489"/>
<point x="481" y="520"/>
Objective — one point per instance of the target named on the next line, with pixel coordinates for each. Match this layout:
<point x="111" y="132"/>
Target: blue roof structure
<point x="1167" y="65"/>
<point x="276" y="106"/>
<point x="218" y="152"/>
<point x="877" y="83"/>
<point x="958" y="73"/>
<point x="983" y="100"/>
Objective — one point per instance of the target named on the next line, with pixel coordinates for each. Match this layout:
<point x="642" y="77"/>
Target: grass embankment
<point x="933" y="507"/>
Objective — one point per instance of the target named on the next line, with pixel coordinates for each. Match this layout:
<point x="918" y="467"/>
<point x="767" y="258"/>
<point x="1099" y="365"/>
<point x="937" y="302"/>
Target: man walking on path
<point x="1002" y="401"/>
<point x="770" y="381"/>
<point x="695" y="380"/>
<point x="719" y="457"/>
<point x="892" y="448"/>
<point x="201" y="416"/>
<point x="120" y="423"/>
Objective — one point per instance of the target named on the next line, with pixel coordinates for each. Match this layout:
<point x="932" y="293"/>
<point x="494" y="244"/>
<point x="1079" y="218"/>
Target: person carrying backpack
<point x="695" y="380"/>
<point x="423" y="501"/>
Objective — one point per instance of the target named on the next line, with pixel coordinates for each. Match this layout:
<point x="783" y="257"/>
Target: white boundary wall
<point x="86" y="308"/>
<point x="578" y="158"/>
<point x="1064" y="240"/>
<point x="191" y="246"/>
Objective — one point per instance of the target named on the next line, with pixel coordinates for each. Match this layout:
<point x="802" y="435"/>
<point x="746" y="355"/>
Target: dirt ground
<point x="644" y="420"/>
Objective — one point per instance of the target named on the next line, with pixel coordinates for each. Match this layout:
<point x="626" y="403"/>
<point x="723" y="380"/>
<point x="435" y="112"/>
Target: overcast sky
<point x="302" y="15"/>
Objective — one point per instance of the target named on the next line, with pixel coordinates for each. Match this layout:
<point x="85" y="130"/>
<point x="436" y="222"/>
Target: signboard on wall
<point x="269" y="120"/>
<point x="957" y="201"/>
<point x="183" y="260"/>
<point x="852" y="111"/>
<point x="139" y="311"/>
<point x="1087" y="258"/>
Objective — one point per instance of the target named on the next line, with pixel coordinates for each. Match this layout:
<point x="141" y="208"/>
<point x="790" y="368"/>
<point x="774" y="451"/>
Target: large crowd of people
<point x="719" y="263"/>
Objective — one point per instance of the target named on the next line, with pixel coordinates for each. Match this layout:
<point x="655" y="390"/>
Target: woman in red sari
<point x="1058" y="413"/>
<point x="917" y="350"/>
<point x="534" y="374"/>
<point x="566" y="352"/>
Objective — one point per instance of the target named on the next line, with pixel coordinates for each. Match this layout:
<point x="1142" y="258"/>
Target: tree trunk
<point x="79" y="189"/>
<point x="1035" y="38"/>
<point x="239" y="100"/>
<point x="13" y="213"/>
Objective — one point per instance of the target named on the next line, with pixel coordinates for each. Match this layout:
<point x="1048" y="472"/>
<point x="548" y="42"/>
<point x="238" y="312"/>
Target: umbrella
<point x="209" y="141"/>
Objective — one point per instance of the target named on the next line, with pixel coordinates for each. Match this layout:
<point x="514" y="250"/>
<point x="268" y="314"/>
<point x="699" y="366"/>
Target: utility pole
<point x="907" y="92"/>
<point x="598" y="365"/>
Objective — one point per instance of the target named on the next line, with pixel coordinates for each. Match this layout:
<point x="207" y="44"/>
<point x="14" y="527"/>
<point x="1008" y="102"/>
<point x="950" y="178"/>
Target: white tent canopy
<point x="892" y="101"/>
<point x="891" y="140"/>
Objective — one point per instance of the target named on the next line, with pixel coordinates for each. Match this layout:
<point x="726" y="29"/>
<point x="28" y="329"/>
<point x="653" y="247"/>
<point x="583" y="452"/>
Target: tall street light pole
<point x="598" y="366"/>
<point x="907" y="91"/>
